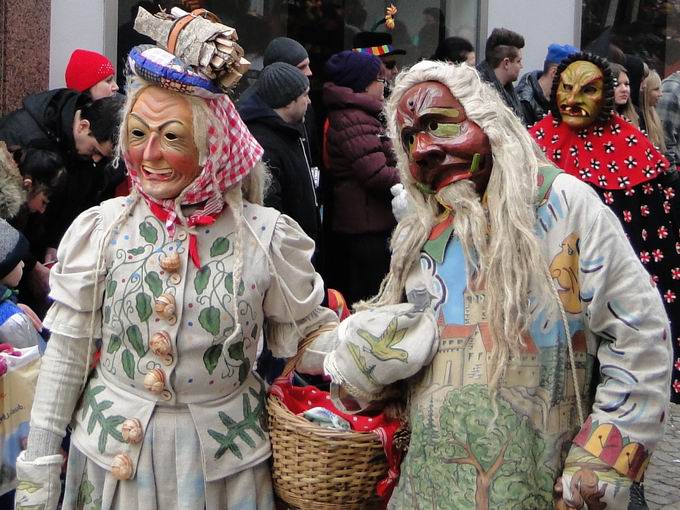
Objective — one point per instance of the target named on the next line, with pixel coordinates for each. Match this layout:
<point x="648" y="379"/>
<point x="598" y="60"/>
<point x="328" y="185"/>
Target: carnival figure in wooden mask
<point x="177" y="282"/>
<point x="531" y="283"/>
<point x="623" y="167"/>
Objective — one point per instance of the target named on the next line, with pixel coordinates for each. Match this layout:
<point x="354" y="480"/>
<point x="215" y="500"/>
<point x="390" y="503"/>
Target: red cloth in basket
<point x="299" y="399"/>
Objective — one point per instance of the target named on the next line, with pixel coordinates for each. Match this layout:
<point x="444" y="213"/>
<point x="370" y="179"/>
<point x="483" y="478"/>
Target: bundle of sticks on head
<point x="199" y="39"/>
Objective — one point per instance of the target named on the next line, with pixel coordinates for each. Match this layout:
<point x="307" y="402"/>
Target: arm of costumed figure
<point x="624" y="310"/>
<point x="292" y="304"/>
<point x="64" y="364"/>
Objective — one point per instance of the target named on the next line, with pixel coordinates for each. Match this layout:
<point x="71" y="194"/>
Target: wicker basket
<point x="317" y="468"/>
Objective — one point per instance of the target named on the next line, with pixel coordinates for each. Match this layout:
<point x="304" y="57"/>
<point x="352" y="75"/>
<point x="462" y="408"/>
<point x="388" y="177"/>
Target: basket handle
<point x="291" y="364"/>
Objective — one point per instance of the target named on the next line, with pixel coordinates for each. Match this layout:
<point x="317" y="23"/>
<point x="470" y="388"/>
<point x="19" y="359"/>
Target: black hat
<point x="280" y="84"/>
<point x="284" y="49"/>
<point x="13" y="248"/>
<point x="378" y="44"/>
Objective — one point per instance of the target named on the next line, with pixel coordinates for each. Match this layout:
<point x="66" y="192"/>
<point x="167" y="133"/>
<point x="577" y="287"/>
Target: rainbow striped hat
<point x="378" y="44"/>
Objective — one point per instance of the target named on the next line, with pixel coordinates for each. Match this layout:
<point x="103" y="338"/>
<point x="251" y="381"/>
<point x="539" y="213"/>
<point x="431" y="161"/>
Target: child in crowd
<point x="19" y="326"/>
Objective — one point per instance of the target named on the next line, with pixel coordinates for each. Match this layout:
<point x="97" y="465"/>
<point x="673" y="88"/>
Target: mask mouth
<point x="573" y="111"/>
<point x="455" y="172"/>
<point x="160" y="174"/>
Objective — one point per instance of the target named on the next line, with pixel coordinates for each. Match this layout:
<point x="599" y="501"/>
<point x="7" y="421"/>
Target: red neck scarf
<point x="197" y="220"/>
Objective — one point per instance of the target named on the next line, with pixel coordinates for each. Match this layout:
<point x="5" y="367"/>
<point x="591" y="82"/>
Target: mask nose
<point x="425" y="153"/>
<point x="152" y="151"/>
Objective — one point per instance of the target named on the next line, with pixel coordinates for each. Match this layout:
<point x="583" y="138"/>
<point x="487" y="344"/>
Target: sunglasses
<point x="390" y="64"/>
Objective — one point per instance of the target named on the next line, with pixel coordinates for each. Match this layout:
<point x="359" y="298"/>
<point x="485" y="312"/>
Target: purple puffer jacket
<point x="361" y="161"/>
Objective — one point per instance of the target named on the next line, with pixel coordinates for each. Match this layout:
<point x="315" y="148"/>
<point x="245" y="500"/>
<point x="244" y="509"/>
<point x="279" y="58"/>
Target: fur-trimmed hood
<point x="12" y="194"/>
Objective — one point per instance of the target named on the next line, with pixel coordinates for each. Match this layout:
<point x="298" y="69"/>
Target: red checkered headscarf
<point x="232" y="153"/>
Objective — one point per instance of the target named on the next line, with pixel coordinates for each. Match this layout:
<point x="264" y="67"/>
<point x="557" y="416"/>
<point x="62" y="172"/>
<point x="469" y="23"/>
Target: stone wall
<point x="24" y="50"/>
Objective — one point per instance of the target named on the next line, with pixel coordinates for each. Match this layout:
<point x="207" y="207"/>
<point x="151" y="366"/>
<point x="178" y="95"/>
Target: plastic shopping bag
<point x="18" y="376"/>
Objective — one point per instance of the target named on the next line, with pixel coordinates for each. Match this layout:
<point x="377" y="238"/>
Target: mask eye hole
<point x="407" y="140"/>
<point x="444" y="129"/>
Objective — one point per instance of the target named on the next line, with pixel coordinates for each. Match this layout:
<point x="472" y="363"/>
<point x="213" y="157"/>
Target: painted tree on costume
<point x="477" y="456"/>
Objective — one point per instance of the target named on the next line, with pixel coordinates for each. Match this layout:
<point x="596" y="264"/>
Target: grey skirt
<point x="169" y="476"/>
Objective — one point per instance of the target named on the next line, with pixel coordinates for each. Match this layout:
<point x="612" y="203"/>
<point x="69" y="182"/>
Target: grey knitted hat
<point x="280" y="84"/>
<point x="284" y="49"/>
<point x="13" y="247"/>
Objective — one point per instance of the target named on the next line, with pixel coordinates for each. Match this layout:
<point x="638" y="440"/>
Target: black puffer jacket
<point x="287" y="154"/>
<point x="46" y="121"/>
<point x="534" y="104"/>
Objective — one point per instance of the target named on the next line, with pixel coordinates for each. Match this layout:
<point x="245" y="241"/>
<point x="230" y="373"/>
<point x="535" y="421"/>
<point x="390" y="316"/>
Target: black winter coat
<point x="534" y="104"/>
<point x="46" y="121"/>
<point x="286" y="152"/>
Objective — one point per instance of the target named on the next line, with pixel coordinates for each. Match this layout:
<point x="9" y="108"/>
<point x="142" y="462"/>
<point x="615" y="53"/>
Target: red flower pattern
<point x="644" y="257"/>
<point x="675" y="273"/>
<point x="627" y="216"/>
<point x="669" y="296"/>
<point x="644" y="210"/>
<point x="658" y="255"/>
<point x="662" y="232"/>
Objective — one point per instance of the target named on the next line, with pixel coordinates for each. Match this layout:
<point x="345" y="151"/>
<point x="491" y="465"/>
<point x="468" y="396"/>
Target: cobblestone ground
<point x="662" y="479"/>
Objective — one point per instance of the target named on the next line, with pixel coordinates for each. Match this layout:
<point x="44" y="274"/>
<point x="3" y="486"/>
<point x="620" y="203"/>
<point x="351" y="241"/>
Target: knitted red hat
<point x="87" y="68"/>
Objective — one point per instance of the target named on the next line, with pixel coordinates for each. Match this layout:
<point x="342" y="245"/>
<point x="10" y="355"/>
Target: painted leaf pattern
<point x="134" y="335"/>
<point x="143" y="306"/>
<point x="209" y="318"/>
<point x="201" y="280"/>
<point x="114" y="344"/>
<point x="252" y="422"/>
<point x="153" y="280"/>
<point x="211" y="357"/>
<point x="229" y="284"/>
<point x="148" y="232"/>
<point x="220" y="246"/>
<point x="128" y="364"/>
<point x="108" y="424"/>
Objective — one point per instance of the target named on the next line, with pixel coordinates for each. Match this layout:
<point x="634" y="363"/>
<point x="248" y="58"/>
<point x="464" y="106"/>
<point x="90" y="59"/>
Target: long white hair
<point x="510" y="262"/>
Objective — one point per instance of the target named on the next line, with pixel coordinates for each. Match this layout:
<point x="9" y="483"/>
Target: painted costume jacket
<point x="194" y="366"/>
<point x="631" y="177"/>
<point x="467" y="452"/>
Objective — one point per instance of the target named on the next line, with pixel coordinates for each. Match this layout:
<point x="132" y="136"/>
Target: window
<point x="648" y="29"/>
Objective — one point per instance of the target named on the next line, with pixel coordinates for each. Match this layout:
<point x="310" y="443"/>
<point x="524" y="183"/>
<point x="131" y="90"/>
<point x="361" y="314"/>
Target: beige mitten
<point x="39" y="486"/>
<point x="381" y="346"/>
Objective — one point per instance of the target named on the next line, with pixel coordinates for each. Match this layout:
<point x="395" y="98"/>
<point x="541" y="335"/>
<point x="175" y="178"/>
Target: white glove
<point x="39" y="485"/>
<point x="400" y="205"/>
